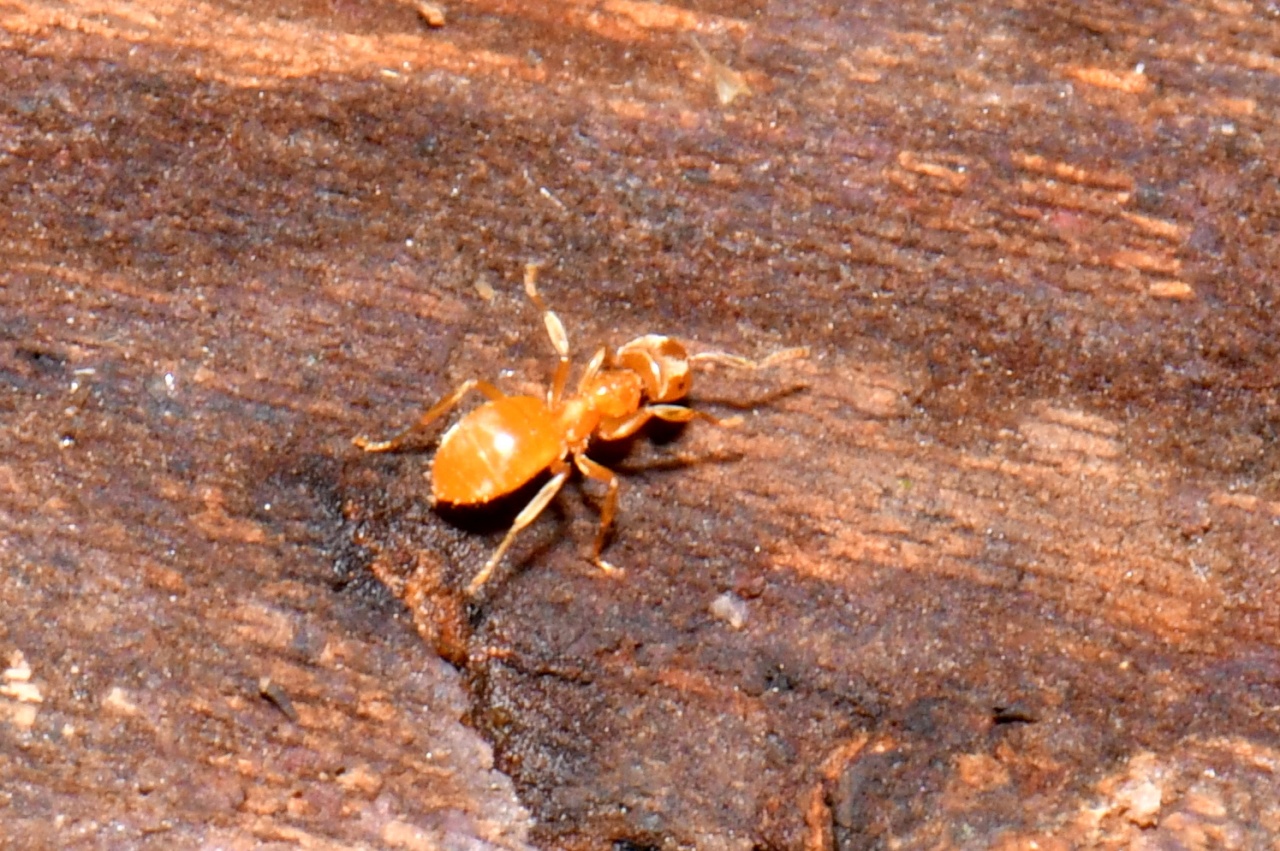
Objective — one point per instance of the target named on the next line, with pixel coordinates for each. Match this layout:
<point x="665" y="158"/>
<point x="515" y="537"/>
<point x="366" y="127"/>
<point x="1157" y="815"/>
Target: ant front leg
<point x="601" y="473"/>
<point x="433" y="413"/>
<point x="671" y="413"/>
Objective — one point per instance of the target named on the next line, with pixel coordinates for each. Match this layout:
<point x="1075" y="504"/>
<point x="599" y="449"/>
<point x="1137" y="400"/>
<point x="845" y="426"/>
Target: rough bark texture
<point x="999" y="564"/>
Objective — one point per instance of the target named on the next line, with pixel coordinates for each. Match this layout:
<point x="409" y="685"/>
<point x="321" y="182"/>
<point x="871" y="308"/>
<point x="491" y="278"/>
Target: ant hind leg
<point x="432" y="414"/>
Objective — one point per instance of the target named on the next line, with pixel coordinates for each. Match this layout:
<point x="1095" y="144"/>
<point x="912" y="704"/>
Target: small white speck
<point x="731" y="609"/>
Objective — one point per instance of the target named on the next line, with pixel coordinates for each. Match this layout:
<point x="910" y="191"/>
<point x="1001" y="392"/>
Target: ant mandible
<point x="507" y="441"/>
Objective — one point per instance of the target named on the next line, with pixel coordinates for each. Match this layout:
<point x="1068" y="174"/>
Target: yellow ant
<point x="507" y="441"/>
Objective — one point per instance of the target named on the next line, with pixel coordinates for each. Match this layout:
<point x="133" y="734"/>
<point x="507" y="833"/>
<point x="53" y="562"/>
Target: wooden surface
<point x="998" y="565"/>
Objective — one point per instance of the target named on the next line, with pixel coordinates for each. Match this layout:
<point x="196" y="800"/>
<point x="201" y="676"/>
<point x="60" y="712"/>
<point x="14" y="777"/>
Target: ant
<point x="507" y="441"/>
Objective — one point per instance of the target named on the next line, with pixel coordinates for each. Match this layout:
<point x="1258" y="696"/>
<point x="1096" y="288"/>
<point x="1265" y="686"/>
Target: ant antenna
<point x="738" y="362"/>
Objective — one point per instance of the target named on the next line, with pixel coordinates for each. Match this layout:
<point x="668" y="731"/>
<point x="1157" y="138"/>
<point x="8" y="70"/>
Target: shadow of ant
<point x="763" y="400"/>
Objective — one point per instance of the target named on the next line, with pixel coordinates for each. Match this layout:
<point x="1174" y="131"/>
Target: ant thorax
<point x="615" y="392"/>
<point x="609" y="395"/>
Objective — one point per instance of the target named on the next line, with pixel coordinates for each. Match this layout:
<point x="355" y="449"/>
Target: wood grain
<point x="997" y="565"/>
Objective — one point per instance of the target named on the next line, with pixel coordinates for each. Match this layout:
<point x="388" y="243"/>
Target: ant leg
<point x="561" y="377"/>
<point x="597" y="362"/>
<point x="433" y="413"/>
<point x="555" y="330"/>
<point x="738" y="362"/>
<point x="670" y="413"/>
<point x="523" y="519"/>
<point x="601" y="473"/>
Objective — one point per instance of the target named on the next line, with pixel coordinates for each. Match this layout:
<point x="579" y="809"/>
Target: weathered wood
<point x="999" y="563"/>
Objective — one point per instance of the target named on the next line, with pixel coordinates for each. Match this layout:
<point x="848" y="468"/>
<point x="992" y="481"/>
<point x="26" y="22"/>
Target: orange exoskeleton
<point x="507" y="441"/>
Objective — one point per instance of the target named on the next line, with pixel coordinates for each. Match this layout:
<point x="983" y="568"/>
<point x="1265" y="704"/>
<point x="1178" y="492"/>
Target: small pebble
<point x="431" y="13"/>
<point x="731" y="609"/>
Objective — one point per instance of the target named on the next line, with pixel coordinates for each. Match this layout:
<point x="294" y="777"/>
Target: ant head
<point x="662" y="363"/>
